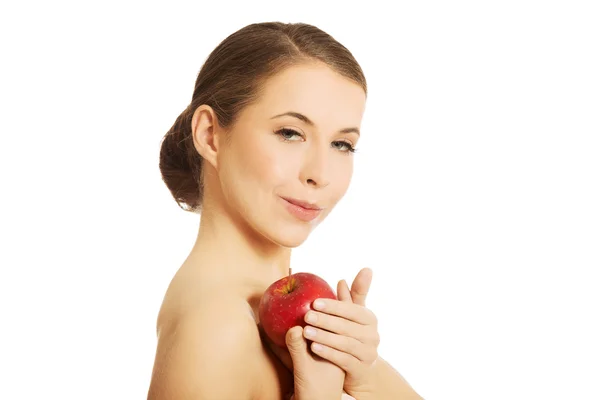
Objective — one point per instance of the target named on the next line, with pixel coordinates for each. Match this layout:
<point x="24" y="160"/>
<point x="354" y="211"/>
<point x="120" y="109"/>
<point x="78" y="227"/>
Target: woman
<point x="264" y="151"/>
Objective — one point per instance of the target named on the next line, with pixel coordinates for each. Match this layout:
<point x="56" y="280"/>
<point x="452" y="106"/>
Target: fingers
<point x="350" y="311"/>
<point x="361" y="285"/>
<point x="366" y="354"/>
<point x="341" y="326"/>
<point x="345" y="361"/>
<point x="343" y="292"/>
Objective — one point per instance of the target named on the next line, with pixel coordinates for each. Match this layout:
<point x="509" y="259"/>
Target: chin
<point x="289" y="236"/>
<point x="279" y="228"/>
<point x="285" y="233"/>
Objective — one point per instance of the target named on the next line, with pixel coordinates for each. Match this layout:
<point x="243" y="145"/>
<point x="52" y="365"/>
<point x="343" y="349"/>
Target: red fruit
<point x="284" y="303"/>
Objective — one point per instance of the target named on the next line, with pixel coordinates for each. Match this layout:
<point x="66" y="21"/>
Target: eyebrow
<point x="307" y="120"/>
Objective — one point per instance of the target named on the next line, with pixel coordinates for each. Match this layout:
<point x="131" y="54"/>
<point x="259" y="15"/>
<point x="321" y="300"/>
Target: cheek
<point x="270" y="163"/>
<point x="340" y="179"/>
<point x="262" y="164"/>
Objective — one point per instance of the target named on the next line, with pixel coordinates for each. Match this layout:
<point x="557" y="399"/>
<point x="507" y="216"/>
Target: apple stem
<point x="289" y="272"/>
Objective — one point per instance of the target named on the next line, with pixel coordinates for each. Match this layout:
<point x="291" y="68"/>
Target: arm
<point x="204" y="355"/>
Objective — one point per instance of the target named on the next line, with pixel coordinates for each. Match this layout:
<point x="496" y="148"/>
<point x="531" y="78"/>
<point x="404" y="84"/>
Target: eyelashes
<point x="290" y="135"/>
<point x="287" y="134"/>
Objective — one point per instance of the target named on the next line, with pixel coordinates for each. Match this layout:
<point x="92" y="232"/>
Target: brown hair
<point x="230" y="80"/>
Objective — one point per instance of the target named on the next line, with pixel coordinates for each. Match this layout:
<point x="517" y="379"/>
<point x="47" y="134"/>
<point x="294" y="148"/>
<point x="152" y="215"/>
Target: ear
<point x="204" y="127"/>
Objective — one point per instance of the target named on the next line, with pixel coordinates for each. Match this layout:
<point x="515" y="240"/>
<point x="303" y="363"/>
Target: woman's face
<point x="306" y="156"/>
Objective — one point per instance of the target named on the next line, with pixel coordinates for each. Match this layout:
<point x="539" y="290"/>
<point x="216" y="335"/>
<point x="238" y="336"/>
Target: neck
<point x="230" y="251"/>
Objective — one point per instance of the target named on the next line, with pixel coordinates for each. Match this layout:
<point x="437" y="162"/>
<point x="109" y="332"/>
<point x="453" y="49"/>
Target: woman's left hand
<point x="344" y="332"/>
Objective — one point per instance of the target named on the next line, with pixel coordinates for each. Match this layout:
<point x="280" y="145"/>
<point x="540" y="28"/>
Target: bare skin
<point x="246" y="233"/>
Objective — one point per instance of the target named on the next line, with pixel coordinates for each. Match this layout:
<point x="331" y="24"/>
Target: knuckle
<point x="353" y="346"/>
<point x="377" y="339"/>
<point x="374" y="318"/>
<point x="346" y="361"/>
<point x="366" y="336"/>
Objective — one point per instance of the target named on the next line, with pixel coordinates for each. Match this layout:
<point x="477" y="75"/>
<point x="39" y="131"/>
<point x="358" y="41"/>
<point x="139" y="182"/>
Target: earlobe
<point x="203" y="132"/>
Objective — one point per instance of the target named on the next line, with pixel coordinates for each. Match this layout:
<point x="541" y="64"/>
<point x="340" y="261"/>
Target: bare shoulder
<point x="207" y="352"/>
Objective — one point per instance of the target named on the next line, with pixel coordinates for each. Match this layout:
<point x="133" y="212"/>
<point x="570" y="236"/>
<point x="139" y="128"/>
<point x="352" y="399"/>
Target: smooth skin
<point x="209" y="339"/>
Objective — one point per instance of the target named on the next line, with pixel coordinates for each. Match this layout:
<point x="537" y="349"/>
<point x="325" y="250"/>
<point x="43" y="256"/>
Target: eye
<point x="343" y="146"/>
<point x="288" y="135"/>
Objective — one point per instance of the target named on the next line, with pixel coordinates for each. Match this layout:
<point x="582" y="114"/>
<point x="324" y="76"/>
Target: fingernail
<point x="311" y="317"/>
<point x="319" y="304"/>
<point x="317" y="347"/>
<point x="310" y="332"/>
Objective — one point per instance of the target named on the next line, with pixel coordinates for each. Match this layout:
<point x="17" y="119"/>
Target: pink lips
<point x="302" y="210"/>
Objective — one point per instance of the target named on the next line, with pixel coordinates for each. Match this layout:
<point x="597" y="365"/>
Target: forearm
<point x="387" y="383"/>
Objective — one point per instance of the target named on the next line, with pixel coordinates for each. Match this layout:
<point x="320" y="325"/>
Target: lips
<point x="304" y="204"/>
<point x="301" y="210"/>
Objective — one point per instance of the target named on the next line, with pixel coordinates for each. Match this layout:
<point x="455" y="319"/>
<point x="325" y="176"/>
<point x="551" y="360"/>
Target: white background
<point x="475" y="198"/>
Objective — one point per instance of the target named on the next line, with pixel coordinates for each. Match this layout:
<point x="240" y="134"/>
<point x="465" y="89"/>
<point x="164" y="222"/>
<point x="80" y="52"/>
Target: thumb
<point x="361" y="285"/>
<point x="297" y="346"/>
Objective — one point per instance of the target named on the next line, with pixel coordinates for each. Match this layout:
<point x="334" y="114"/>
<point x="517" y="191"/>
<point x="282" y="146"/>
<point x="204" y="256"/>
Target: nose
<point x="315" y="171"/>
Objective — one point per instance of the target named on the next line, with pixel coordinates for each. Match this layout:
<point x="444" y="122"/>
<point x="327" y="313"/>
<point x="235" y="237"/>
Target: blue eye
<point x="290" y="135"/>
<point x="343" y="146"/>
<point x="287" y="134"/>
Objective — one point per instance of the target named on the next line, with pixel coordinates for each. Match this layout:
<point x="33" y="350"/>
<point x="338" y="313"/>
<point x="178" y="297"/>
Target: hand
<point x="314" y="377"/>
<point x="346" y="332"/>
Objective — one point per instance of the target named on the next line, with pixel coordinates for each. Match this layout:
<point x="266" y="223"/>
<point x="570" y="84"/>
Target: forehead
<point x="329" y="99"/>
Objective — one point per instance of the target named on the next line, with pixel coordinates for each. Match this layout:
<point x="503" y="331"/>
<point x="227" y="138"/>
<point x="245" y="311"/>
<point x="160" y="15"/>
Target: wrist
<point x="367" y="388"/>
<point x="385" y="382"/>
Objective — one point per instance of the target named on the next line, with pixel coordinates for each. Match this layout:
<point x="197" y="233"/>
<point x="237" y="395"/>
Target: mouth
<point x="302" y="210"/>
<point x="304" y="204"/>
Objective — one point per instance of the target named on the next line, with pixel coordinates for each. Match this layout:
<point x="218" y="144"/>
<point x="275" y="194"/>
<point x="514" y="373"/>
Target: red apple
<point x="284" y="303"/>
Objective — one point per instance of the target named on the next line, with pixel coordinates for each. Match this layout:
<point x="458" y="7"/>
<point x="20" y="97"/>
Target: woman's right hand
<point x="314" y="377"/>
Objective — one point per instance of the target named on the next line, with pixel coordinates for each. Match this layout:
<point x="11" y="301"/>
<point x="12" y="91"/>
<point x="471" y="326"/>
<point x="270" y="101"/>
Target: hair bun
<point x="179" y="165"/>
